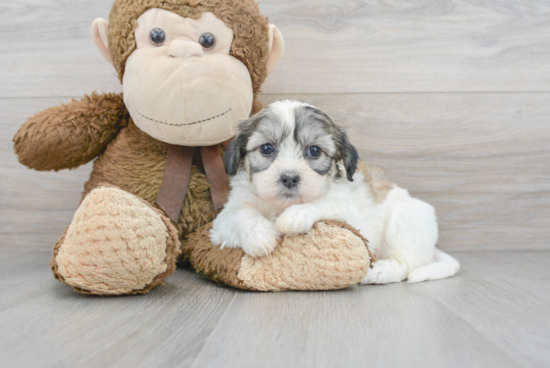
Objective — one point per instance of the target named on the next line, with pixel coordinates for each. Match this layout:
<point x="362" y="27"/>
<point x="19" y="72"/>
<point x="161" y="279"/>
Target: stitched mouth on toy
<point x="193" y="123"/>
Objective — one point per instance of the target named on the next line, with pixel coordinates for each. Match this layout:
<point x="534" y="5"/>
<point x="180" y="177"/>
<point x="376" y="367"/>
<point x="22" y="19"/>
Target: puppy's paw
<point x="384" y="272"/>
<point x="259" y="240"/>
<point x="296" y="219"/>
<point x="216" y="236"/>
<point x="223" y="234"/>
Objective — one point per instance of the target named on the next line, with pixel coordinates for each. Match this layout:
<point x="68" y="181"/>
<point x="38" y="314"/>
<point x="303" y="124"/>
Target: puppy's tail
<point x="443" y="266"/>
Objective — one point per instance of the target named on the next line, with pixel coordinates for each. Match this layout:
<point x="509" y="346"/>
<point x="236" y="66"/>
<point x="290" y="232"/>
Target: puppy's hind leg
<point x="385" y="271"/>
<point x="410" y="237"/>
<point x="442" y="267"/>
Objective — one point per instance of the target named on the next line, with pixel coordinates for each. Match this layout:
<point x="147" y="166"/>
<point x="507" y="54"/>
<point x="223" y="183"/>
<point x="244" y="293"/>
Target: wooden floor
<point x="494" y="313"/>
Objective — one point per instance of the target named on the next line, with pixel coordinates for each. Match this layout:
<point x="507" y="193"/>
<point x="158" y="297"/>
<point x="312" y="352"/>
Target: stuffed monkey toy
<point x="190" y="71"/>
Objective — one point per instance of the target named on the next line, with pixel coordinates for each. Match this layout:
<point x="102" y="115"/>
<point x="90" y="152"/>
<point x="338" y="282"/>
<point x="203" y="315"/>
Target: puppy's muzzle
<point x="290" y="180"/>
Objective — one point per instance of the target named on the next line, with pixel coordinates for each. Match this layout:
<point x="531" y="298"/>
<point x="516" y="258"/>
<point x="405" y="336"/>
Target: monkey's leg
<point x="332" y="255"/>
<point x="116" y="244"/>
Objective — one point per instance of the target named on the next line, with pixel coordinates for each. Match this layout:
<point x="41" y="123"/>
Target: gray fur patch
<point x="258" y="162"/>
<point x="313" y="129"/>
<point x="313" y="124"/>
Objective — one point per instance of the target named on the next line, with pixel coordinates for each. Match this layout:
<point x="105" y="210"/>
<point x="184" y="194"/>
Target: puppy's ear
<point x="234" y="154"/>
<point x="347" y="153"/>
<point x="350" y="160"/>
<point x="236" y="150"/>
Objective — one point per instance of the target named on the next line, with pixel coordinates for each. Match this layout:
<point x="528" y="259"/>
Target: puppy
<point x="292" y="166"/>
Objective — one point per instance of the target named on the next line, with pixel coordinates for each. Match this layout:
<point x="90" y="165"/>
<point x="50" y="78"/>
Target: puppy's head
<point x="291" y="152"/>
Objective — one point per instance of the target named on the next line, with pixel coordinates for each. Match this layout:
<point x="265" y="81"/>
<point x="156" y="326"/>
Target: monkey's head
<point x="190" y="69"/>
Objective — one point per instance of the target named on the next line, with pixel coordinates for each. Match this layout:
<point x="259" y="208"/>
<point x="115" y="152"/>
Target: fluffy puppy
<point x="292" y="166"/>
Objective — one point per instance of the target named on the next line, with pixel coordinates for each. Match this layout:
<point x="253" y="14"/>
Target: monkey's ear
<point x="100" y="31"/>
<point x="276" y="47"/>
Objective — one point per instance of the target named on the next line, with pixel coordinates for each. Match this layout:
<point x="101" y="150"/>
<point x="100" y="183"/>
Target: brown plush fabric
<point x="257" y="106"/>
<point x="70" y="135"/>
<point x="218" y="265"/>
<point x="56" y="247"/>
<point x="250" y="28"/>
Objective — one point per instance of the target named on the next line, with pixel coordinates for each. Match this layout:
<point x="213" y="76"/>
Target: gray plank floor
<point x="495" y="313"/>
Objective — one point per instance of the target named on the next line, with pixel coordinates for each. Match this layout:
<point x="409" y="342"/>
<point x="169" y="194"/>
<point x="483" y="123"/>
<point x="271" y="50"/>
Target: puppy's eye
<point x="157" y="36"/>
<point x="207" y="41"/>
<point x="267" y="149"/>
<point x="314" y="152"/>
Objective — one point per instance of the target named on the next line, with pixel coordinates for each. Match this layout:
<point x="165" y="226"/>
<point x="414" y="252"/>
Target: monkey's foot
<point x="116" y="244"/>
<point x="331" y="255"/>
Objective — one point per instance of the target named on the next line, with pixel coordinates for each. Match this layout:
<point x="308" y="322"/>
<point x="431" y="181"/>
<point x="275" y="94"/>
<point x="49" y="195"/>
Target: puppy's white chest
<point x="268" y="212"/>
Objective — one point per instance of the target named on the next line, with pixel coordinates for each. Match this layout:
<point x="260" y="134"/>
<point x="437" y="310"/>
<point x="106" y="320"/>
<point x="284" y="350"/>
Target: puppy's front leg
<point x="246" y="229"/>
<point x="297" y="219"/>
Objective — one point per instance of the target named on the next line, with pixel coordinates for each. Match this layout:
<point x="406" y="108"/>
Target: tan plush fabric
<point x="116" y="244"/>
<point x="327" y="257"/>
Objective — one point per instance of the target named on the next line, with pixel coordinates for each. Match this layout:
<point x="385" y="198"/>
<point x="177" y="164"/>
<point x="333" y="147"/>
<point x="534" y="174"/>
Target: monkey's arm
<point x="70" y="135"/>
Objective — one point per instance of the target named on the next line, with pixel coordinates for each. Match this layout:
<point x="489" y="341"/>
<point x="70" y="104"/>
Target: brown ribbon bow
<point x="177" y="174"/>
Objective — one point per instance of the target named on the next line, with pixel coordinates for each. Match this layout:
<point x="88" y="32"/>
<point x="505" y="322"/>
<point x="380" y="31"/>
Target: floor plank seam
<point x="39" y="97"/>
<point x="211" y="335"/>
<point x="401" y="93"/>
<point x="478" y="331"/>
<point x="313" y="94"/>
<point x="459" y="251"/>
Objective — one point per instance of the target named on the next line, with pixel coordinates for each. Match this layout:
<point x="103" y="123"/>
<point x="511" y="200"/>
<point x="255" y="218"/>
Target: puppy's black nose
<point x="290" y="180"/>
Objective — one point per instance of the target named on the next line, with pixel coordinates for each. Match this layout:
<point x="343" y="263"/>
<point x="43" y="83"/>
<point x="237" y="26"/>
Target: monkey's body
<point x="135" y="163"/>
<point x="120" y="241"/>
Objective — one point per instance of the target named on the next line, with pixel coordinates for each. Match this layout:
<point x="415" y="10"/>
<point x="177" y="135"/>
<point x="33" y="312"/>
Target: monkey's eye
<point x="207" y="41"/>
<point x="267" y="149"/>
<point x="314" y="152"/>
<point x="158" y="36"/>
